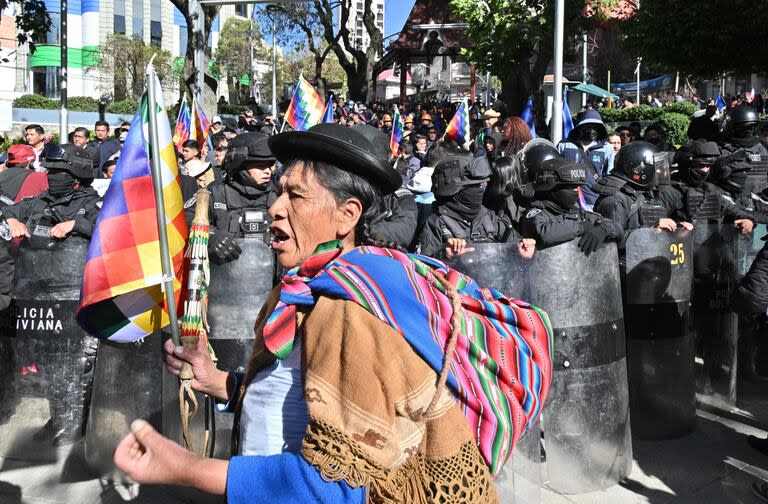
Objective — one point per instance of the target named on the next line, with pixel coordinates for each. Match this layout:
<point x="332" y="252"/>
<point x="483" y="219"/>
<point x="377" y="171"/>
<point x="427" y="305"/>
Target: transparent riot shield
<point x="126" y="386"/>
<point x="751" y="347"/>
<point x="499" y="266"/>
<point x="715" y="273"/>
<point x="237" y="291"/>
<point x="586" y="417"/>
<point x="660" y="360"/>
<point x="47" y="358"/>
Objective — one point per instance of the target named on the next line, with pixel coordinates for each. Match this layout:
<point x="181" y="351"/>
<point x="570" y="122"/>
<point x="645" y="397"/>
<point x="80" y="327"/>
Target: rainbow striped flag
<point x="306" y="107"/>
<point x="183" y="124"/>
<point x="121" y="298"/>
<point x="397" y="132"/>
<point x="191" y="124"/>
<point x="200" y="124"/>
<point x="458" y="128"/>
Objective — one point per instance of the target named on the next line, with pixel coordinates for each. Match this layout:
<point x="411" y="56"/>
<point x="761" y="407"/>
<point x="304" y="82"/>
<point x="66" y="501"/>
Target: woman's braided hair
<point x="344" y="185"/>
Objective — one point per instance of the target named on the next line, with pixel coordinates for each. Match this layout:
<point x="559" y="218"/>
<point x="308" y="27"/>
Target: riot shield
<point x="586" y="417"/>
<point x="126" y="386"/>
<point x="715" y="272"/>
<point x="236" y="293"/>
<point x="500" y="266"/>
<point x="660" y="360"/>
<point x="48" y="357"/>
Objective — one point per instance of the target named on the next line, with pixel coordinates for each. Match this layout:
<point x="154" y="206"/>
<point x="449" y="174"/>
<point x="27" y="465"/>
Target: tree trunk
<point x="358" y="85"/>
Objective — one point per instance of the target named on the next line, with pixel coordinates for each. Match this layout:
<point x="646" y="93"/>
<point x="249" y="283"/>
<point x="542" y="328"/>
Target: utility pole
<point x="584" y="70"/>
<point x="63" y="115"/>
<point x="557" y="104"/>
<point x="637" y="71"/>
<point x="273" y="11"/>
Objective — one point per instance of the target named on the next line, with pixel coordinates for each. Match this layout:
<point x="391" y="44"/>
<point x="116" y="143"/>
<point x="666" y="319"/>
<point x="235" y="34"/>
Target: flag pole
<point x="157" y="186"/>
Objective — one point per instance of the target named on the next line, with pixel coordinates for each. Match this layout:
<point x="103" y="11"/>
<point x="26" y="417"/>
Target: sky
<point x="395" y="14"/>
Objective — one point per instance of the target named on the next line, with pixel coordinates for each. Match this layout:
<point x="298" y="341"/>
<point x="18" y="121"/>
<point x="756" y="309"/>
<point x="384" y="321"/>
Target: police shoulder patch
<point x="219" y="206"/>
<point x="533" y="212"/>
<point x="190" y="201"/>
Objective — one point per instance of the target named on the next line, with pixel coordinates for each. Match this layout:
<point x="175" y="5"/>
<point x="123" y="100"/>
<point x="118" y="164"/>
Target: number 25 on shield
<point x="678" y="254"/>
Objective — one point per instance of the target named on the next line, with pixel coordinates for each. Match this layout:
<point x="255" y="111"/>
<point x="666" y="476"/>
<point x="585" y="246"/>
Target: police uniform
<point x="458" y="212"/>
<point x="238" y="208"/>
<point x="554" y="217"/>
<point x="398" y="220"/>
<point x="629" y="196"/>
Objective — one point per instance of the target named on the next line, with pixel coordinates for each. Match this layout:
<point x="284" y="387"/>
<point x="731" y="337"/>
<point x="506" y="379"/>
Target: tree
<point x="233" y="54"/>
<point x="31" y="18"/>
<point x="321" y="28"/>
<point x="515" y="40"/>
<point x="125" y="59"/>
<point x="703" y="39"/>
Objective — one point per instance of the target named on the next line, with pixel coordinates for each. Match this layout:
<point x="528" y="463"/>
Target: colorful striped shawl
<point x="502" y="367"/>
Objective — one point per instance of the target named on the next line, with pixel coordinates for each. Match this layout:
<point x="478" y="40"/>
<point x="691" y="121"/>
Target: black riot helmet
<point x="636" y="162"/>
<point x="68" y="158"/>
<point x="731" y="172"/>
<point x="558" y="173"/>
<point x="536" y="152"/>
<point x="741" y="122"/>
<point x="245" y="148"/>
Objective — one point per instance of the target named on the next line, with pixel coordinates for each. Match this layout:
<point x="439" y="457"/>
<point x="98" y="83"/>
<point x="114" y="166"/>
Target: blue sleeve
<point x="229" y="406"/>
<point x="286" y="478"/>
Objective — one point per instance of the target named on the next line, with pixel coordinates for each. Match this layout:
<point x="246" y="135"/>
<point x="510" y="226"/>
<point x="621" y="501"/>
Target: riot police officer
<point x="628" y="195"/>
<point x="459" y="213"/>
<point x="743" y="155"/>
<point x="239" y="204"/>
<point x="554" y="215"/>
<point x="736" y="176"/>
<point x="697" y="198"/>
<point x="69" y="206"/>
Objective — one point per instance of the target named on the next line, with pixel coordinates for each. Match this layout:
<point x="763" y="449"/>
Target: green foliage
<point x="234" y="52"/>
<point x="702" y="39"/>
<point x="124" y="59"/>
<point x="10" y="141"/>
<point x="33" y="101"/>
<point x="685" y="108"/>
<point x="125" y="107"/>
<point x="674" y="126"/>
<point x="83" y="104"/>
<point x="637" y="113"/>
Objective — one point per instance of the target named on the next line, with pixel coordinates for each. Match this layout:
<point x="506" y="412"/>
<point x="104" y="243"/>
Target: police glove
<point x="223" y="248"/>
<point x="591" y="239"/>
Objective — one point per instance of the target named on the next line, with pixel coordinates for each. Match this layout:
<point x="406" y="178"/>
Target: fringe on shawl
<point x="460" y="479"/>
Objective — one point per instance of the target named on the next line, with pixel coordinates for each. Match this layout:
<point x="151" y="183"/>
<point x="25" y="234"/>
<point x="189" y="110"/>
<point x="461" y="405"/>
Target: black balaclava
<point x="466" y="203"/>
<point x="566" y="198"/>
<point x="61" y="183"/>
<point x="696" y="176"/>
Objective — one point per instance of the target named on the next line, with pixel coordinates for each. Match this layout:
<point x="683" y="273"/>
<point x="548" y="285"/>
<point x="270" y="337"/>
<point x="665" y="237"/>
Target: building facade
<point x="90" y="23"/>
<point x="359" y="35"/>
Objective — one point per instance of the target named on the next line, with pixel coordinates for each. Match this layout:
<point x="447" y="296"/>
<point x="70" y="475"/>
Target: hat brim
<point x="344" y="155"/>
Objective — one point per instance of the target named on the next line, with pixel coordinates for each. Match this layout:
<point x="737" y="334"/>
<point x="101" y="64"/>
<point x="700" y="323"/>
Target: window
<point x="119" y="24"/>
<point x="138" y="19"/>
<point x="45" y="82"/>
<point x="156" y="34"/>
<point x="359" y="6"/>
<point x="241" y="10"/>
<point x="183" y="38"/>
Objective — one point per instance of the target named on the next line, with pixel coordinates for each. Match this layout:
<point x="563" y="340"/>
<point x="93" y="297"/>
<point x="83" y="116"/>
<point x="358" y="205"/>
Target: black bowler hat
<point x="347" y="148"/>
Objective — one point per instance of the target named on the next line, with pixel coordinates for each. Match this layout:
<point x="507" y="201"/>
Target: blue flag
<point x="527" y="116"/>
<point x="328" y="115"/>
<point x="720" y="103"/>
<point x="567" y="119"/>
